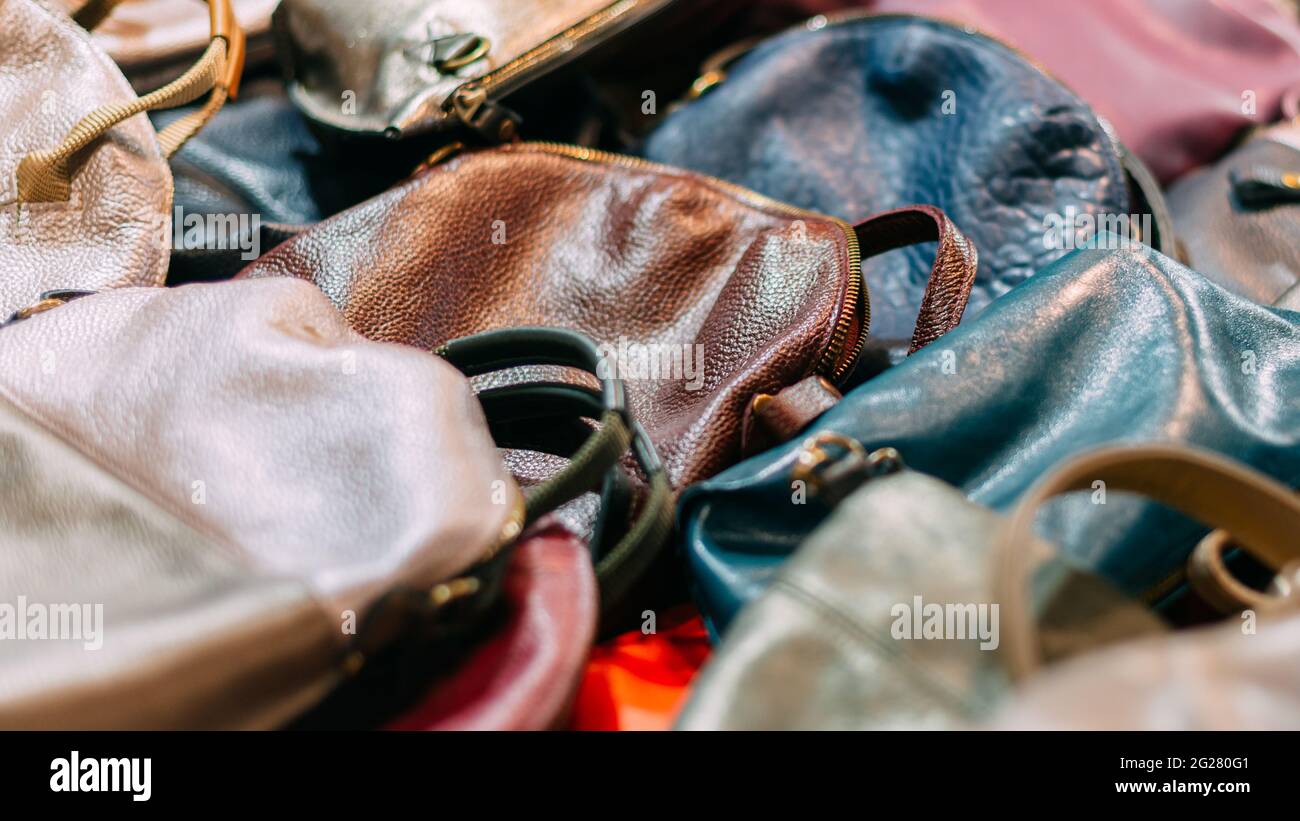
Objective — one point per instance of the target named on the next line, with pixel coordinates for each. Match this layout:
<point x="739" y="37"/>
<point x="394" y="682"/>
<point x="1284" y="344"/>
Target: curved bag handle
<point x="952" y="275"/>
<point x="781" y="416"/>
<point x="597" y="459"/>
<point x="46" y="176"/>
<point x="1261" y="514"/>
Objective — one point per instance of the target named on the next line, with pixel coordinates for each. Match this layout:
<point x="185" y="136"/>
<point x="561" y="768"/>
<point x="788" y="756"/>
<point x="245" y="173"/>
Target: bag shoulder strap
<point x="1261" y="515"/>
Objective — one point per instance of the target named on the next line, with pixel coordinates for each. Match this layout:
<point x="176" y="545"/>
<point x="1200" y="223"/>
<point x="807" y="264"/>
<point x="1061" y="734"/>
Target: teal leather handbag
<point x="1101" y="347"/>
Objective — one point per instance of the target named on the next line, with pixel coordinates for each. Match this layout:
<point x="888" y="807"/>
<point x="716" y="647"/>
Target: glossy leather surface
<point x="1212" y="679"/>
<point x="849" y="120"/>
<point x="523" y="677"/>
<point x="251" y="412"/>
<point x="1102" y="347"/>
<point x="648" y="255"/>
<point x="387" y="67"/>
<point x="821" y="648"/>
<point x="112" y="231"/>
<point x="1248" y="244"/>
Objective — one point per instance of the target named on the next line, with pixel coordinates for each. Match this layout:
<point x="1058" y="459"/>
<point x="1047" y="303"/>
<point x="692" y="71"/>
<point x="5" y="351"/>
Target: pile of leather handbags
<point x="779" y="364"/>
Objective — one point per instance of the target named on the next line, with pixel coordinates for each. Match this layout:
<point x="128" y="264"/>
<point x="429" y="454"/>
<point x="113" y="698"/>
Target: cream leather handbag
<point x="85" y="191"/>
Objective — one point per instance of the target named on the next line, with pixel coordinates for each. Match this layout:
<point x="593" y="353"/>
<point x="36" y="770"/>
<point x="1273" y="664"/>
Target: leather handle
<point x="598" y="456"/>
<point x="1262" y="516"/>
<point x="954" y="269"/>
<point x="46" y="176"/>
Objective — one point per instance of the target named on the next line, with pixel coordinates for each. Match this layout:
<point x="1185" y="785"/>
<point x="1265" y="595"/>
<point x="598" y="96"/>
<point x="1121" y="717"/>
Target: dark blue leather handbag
<point x="1102" y="347"/>
<point x="858" y="115"/>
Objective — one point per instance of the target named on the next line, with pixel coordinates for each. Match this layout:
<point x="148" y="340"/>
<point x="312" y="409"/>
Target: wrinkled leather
<point x="524" y="676"/>
<point x="379" y="51"/>
<point x="112" y="231"/>
<point x="1220" y="678"/>
<point x="320" y="465"/>
<point x="1250" y="248"/>
<point x="1101" y="347"/>
<point x="142" y="36"/>
<point x="848" y="120"/>
<point x="818" y="650"/>
<point x="651" y="255"/>
<point x="1167" y="74"/>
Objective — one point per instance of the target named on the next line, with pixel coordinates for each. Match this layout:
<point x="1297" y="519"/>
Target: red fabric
<point x="640" y="682"/>
<point x="524" y="676"/>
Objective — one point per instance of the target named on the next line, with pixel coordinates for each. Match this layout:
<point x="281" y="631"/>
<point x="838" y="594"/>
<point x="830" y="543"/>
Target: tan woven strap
<point x="46" y="176"/>
<point x="1262" y="516"/>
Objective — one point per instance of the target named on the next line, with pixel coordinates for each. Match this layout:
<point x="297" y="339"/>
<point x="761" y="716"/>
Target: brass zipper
<point x="466" y="100"/>
<point x="841" y="353"/>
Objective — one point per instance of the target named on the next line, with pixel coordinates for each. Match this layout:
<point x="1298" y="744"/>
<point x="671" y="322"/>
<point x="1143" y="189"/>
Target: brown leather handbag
<point x="85" y="191"/>
<point x="704" y="296"/>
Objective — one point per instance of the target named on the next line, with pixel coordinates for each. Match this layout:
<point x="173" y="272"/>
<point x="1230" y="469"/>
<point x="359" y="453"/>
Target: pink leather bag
<point x="1179" y="79"/>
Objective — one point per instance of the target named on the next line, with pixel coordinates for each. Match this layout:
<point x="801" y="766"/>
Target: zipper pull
<point x="490" y="120"/>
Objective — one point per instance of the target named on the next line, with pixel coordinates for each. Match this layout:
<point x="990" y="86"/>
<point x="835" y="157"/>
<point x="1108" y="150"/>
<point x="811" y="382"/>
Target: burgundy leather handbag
<point x="1178" y="79"/>
<point x="524" y="676"/>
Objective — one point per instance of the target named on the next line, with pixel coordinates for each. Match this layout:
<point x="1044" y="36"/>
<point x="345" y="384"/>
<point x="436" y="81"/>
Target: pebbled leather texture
<point x="1250" y="247"/>
<point x="252" y="413"/>
<point x="850" y="120"/>
<point x="1101" y="347"/>
<point x="820" y="650"/>
<point x="112" y="232"/>
<point x="1212" y="679"/>
<point x="387" y="67"/>
<point x="619" y="251"/>
<point x="524" y="676"/>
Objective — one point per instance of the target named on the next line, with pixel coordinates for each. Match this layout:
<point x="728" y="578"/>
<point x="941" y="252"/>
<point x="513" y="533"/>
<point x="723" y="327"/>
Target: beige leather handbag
<point x="207" y="492"/>
<point x="85" y="191"/>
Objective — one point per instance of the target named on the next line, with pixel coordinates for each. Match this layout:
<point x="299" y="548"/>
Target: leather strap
<point x="779" y="417"/>
<point x="1262" y="516"/>
<point x="954" y="269"/>
<point x="46" y="176"/>
<point x="591" y="467"/>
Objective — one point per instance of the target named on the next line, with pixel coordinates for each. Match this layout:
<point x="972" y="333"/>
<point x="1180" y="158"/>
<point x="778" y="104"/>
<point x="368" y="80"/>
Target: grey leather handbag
<point x="1239" y="221"/>
<point x="913" y="607"/>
